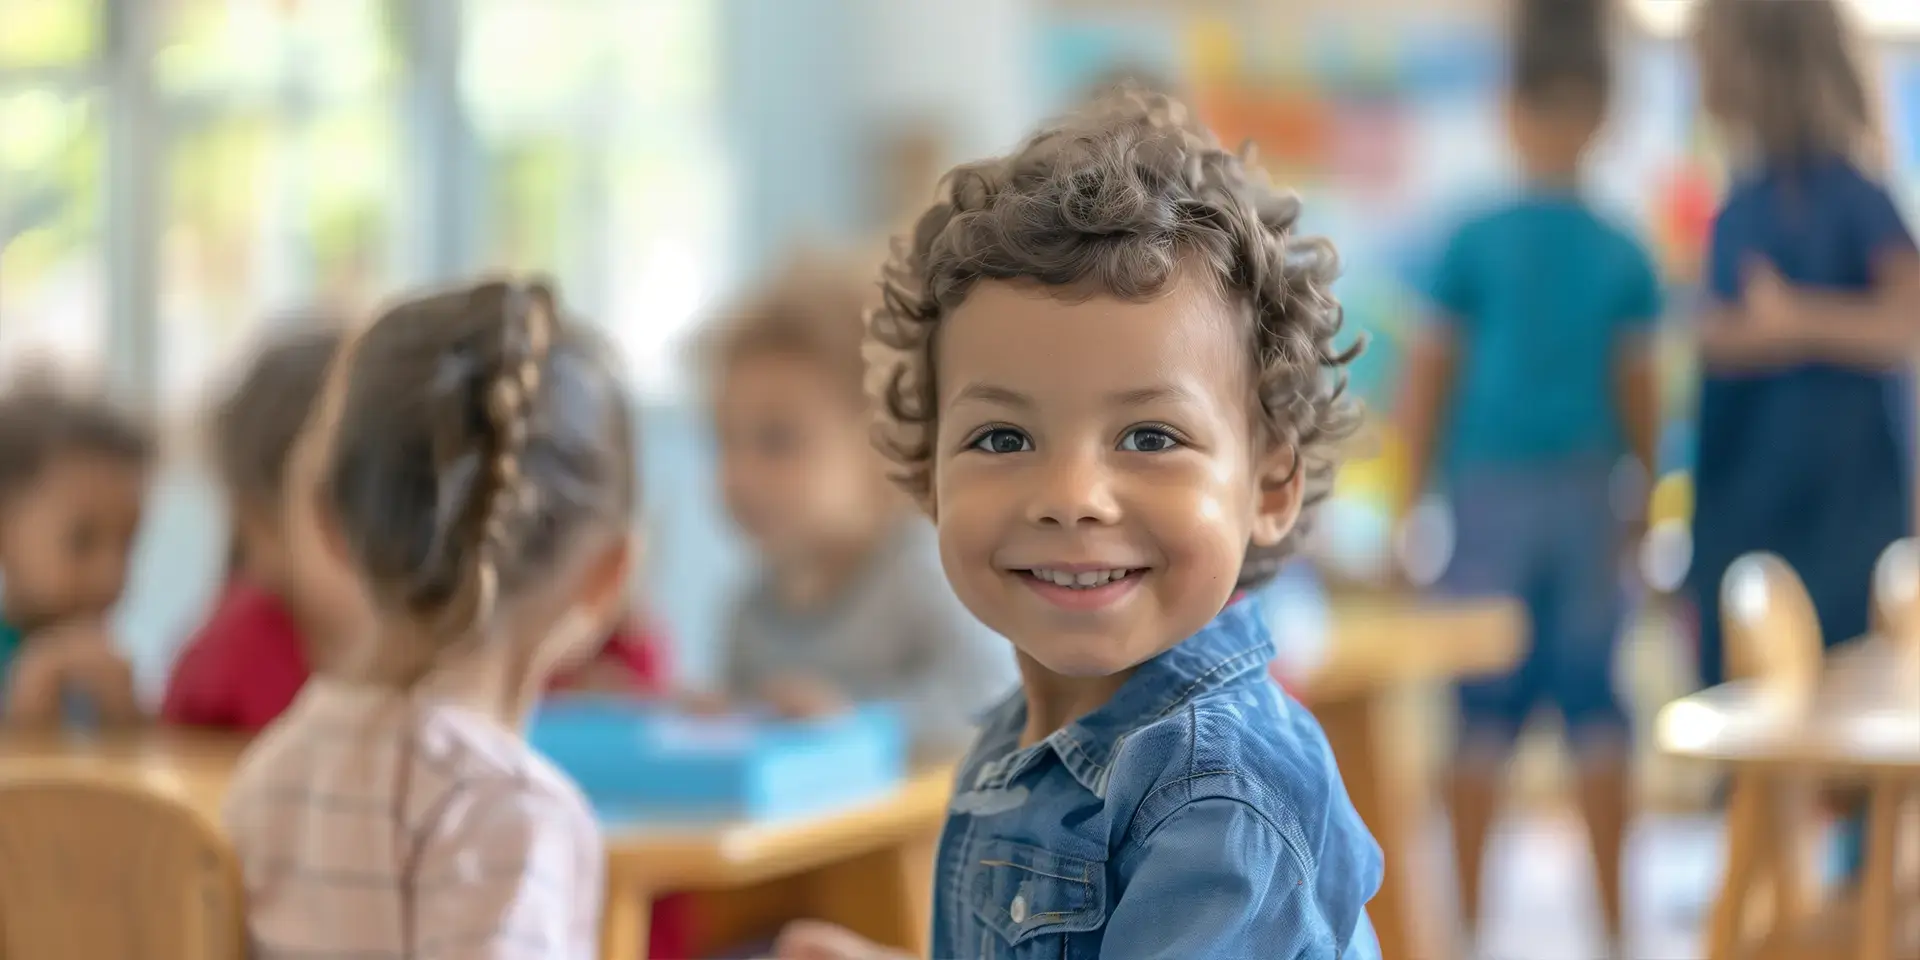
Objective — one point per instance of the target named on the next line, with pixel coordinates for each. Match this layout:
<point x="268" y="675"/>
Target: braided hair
<point x="479" y="434"/>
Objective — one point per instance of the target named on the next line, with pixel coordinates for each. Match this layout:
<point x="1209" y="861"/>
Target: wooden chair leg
<point x="1877" y="888"/>
<point x="1795" y="829"/>
<point x="625" y="919"/>
<point x="1746" y="837"/>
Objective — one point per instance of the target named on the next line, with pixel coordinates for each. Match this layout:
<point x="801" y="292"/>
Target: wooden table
<point x="1860" y="726"/>
<point x="869" y="868"/>
<point x="1382" y="645"/>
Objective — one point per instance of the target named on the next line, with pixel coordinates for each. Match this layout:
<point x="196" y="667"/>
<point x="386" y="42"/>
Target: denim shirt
<point x="1198" y="815"/>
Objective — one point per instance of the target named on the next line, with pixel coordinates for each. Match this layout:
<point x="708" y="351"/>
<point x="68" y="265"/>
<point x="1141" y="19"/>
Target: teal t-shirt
<point x="9" y="648"/>
<point x="1539" y="292"/>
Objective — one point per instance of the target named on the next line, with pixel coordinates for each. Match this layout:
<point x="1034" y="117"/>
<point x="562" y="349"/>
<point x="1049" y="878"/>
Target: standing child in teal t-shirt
<point x="73" y="475"/>
<point x="1522" y="399"/>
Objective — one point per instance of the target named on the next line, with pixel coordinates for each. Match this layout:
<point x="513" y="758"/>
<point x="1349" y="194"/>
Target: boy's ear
<point x="1280" y="486"/>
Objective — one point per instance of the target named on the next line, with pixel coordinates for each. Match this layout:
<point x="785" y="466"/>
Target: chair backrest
<point x="109" y="865"/>
<point x="1772" y="632"/>
<point x="1896" y="593"/>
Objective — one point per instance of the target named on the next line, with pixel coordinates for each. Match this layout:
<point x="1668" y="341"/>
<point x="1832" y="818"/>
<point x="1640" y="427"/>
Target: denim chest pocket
<point x="1033" y="903"/>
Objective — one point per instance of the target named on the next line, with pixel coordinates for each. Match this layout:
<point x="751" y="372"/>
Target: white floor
<point x="1539" y="902"/>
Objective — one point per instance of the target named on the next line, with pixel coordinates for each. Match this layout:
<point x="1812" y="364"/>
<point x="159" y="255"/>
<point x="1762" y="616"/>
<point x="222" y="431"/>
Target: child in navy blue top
<point x="1526" y="395"/>
<point x="1813" y="315"/>
<point x="1135" y="382"/>
<point x="1814" y="312"/>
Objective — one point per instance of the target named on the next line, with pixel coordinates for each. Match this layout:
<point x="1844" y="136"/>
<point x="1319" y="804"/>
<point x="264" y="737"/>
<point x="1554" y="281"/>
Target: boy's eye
<point x="1148" y="440"/>
<point x="1002" y="440"/>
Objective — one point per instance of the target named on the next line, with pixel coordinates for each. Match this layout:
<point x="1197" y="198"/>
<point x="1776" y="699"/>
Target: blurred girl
<point x="73" y="478"/>
<point x="285" y="608"/>
<point x="479" y="481"/>
<point x="1813" y="313"/>
<point x="1813" y="316"/>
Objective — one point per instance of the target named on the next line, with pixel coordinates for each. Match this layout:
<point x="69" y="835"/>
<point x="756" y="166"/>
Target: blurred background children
<point x="283" y="609"/>
<point x="1525" y="394"/>
<point x="73" y="478"/>
<point x="480" y="484"/>
<point x="849" y="603"/>
<point x="1813" y="315"/>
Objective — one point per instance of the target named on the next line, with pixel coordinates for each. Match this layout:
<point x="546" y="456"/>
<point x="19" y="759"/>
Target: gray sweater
<point x="896" y="633"/>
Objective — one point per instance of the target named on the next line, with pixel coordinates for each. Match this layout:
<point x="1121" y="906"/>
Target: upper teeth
<point x="1086" y="578"/>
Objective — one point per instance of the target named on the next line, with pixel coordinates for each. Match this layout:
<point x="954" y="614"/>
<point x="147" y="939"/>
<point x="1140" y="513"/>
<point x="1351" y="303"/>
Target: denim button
<point x="1019" y="909"/>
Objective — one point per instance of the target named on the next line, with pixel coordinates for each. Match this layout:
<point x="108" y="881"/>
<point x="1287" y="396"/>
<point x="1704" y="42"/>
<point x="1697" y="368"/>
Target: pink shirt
<point x="380" y="823"/>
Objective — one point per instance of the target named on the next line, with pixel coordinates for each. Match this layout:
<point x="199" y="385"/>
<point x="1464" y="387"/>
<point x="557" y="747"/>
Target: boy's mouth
<point x="1080" y="579"/>
<point x="1082" y="588"/>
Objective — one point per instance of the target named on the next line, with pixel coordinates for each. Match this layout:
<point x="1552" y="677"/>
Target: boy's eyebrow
<point x="1141" y="396"/>
<point x="1000" y="396"/>
<point x="1137" y="397"/>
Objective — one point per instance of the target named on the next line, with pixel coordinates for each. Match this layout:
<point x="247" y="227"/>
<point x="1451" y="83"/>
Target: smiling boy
<point x="1107" y="369"/>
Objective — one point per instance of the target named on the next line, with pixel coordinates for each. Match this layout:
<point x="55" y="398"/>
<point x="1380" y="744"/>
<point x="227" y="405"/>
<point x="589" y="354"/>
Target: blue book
<point x="640" y="763"/>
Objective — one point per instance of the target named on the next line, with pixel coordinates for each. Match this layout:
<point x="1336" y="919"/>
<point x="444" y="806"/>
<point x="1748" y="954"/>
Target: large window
<point x="282" y="169"/>
<point x="52" y="267"/>
<point x="593" y="120"/>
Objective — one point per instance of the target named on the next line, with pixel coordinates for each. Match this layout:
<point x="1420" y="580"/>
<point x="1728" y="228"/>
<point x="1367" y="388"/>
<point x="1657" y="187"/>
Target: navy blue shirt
<point x="1198" y="813"/>
<point x="1808" y="461"/>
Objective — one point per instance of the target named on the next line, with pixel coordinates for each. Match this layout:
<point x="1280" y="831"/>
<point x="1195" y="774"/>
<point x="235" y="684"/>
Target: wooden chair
<point x="1771" y="905"/>
<point x="1772" y="641"/>
<point x="1896" y="594"/>
<point x="100" y="865"/>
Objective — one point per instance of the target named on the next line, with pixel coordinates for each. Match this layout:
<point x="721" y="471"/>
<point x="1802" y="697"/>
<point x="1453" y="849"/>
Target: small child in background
<point x="1107" y="369"/>
<point x="849" y="604"/>
<point x="479" y="480"/>
<point x="1806" y="396"/>
<point x="286" y="607"/>
<point x="1524" y="395"/>
<point x="73" y="479"/>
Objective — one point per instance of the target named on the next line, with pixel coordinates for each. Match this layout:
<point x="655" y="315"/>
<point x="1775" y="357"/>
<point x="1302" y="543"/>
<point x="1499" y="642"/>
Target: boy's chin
<point x="1084" y="658"/>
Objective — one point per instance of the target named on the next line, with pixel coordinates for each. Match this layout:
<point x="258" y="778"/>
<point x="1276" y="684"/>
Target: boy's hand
<point x="81" y="657"/>
<point x="802" y="697"/>
<point x="813" y="940"/>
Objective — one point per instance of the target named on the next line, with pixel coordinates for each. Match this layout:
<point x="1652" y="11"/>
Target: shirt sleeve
<point x="1260" y="901"/>
<point x="1642" y="302"/>
<point x="500" y="876"/>
<point x="1880" y="227"/>
<point x="200" y="689"/>
<point x="1449" y="282"/>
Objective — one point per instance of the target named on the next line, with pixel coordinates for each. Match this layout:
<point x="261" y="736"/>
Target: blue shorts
<point x="1547" y="536"/>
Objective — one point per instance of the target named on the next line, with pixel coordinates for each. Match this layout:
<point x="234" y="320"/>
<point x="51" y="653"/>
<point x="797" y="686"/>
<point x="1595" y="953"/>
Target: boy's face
<point x="796" y="468"/>
<point x="1105" y="443"/>
<point x="66" y="540"/>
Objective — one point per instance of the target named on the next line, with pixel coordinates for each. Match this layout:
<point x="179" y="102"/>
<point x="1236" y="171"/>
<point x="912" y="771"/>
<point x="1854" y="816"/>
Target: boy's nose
<point x="1074" y="490"/>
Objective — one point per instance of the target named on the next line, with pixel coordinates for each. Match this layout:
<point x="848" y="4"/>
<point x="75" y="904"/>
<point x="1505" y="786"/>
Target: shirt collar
<point x="1235" y="643"/>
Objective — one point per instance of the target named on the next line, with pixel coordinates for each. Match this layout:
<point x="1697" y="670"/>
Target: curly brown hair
<point x="1119" y="196"/>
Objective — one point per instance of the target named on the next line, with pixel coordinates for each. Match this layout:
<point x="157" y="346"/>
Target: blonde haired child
<point x="479" y="480"/>
<point x="1806" y="399"/>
